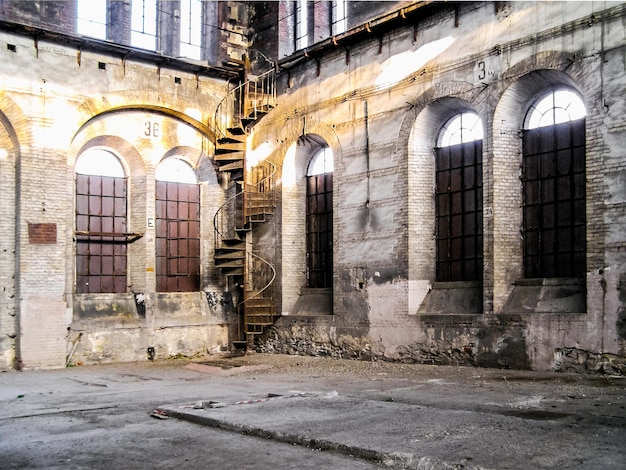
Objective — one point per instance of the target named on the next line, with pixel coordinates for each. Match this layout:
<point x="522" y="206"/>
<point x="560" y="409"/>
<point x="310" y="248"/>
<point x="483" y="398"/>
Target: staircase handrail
<point x="236" y="94"/>
<point x="219" y="230"/>
<point x="217" y="215"/>
<point x="259" y="292"/>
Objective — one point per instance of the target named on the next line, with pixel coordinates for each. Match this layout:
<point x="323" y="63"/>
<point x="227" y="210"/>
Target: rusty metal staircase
<point x="254" y="199"/>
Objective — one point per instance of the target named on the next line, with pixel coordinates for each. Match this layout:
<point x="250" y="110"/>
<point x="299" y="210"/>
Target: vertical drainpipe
<point x="367" y="151"/>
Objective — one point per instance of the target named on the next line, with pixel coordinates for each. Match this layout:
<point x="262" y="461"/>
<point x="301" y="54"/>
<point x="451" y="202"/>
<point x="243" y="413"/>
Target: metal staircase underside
<point x="254" y="200"/>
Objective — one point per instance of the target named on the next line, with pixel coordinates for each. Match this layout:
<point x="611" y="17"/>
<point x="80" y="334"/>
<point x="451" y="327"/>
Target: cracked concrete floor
<point x="427" y="416"/>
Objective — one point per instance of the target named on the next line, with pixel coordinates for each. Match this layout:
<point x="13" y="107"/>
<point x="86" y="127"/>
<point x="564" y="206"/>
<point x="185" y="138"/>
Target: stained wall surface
<point x="377" y="96"/>
<point x="379" y="102"/>
<point x="56" y="103"/>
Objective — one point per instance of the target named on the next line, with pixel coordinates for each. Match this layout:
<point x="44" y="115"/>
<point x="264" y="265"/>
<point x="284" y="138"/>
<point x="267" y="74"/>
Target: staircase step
<point x="235" y="263"/>
<point x="259" y="195"/>
<point x="233" y="243"/>
<point x="236" y="130"/>
<point x="232" y="271"/>
<point x="259" y="302"/>
<point x="231" y="139"/>
<point x="257" y="214"/>
<point x="230" y="255"/>
<point x="228" y="156"/>
<point x="225" y="147"/>
<point x="236" y="165"/>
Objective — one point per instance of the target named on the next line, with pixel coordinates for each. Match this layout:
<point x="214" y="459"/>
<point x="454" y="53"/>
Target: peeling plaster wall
<point x="382" y="129"/>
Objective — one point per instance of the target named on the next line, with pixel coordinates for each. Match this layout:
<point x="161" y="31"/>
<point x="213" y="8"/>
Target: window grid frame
<point x="177" y="236"/>
<point x="458" y="213"/>
<point x="319" y="230"/>
<point x="101" y="261"/>
<point x="552" y="246"/>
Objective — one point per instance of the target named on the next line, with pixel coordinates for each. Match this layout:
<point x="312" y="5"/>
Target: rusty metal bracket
<point x="129" y="237"/>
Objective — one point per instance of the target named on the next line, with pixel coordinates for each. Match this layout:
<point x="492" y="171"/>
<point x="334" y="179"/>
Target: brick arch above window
<point x="130" y="157"/>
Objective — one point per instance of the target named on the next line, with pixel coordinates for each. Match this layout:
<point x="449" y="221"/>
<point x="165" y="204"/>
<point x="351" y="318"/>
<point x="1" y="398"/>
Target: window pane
<point x="143" y="24"/>
<point x="321" y="163"/>
<point x="554" y="108"/>
<point x="92" y="18"/>
<point x="459" y="205"/>
<point x="302" y="20"/>
<point x="554" y="199"/>
<point x="191" y="29"/>
<point x="99" y="162"/>
<point x="175" y="170"/>
<point x="462" y="128"/>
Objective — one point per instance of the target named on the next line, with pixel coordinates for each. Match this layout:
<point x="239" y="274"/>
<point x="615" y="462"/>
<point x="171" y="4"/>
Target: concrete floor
<point x="285" y="412"/>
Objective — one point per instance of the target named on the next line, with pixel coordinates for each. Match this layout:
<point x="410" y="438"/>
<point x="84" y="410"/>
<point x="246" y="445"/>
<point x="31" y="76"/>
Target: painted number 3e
<point x="152" y="129"/>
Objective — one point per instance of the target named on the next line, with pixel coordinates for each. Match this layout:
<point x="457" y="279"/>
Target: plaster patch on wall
<point x="417" y="293"/>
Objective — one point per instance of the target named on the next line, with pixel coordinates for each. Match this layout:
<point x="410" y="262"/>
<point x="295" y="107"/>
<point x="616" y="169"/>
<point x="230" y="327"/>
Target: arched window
<point x="177" y="227"/>
<point x="319" y="220"/>
<point x="458" y="194"/>
<point x="101" y="223"/>
<point x="553" y="178"/>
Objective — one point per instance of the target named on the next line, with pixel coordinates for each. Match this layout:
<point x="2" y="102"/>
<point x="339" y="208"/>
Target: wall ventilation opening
<point x="177" y="80"/>
<point x="102" y="65"/>
<point x="12" y="47"/>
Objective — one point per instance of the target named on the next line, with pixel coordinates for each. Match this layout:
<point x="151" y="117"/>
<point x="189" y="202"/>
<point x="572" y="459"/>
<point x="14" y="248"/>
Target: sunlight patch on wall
<point x="400" y="66"/>
<point x="289" y="167"/>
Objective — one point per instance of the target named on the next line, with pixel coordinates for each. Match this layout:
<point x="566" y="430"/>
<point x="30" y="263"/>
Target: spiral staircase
<point x="252" y="201"/>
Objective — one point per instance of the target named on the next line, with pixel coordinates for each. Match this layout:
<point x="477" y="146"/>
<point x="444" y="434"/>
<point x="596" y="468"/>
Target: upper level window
<point x="302" y="24"/>
<point x="463" y="128"/>
<point x="144" y="24"/>
<point x="92" y="18"/>
<point x="339" y="16"/>
<point x="191" y="29"/>
<point x="555" y="108"/>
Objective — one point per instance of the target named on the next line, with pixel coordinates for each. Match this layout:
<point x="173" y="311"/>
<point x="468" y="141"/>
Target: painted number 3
<point x="481" y="70"/>
<point x="152" y="129"/>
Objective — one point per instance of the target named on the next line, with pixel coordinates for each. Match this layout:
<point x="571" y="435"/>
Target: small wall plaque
<point x="42" y="234"/>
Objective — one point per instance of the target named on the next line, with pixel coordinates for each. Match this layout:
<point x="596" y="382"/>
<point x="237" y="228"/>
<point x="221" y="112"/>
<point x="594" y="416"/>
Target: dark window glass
<point x="554" y="200"/>
<point x="100" y="239"/>
<point x="177" y="237"/>
<point x="459" y="212"/>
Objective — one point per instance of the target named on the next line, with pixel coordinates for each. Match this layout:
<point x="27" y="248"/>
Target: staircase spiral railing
<point x="246" y="103"/>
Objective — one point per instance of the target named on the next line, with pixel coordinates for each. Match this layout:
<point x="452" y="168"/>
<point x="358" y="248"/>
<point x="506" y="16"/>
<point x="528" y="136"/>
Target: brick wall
<point x="384" y="174"/>
<point x="57" y="110"/>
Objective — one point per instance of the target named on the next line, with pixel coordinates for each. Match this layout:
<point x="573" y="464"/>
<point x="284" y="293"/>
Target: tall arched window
<point x="458" y="194"/>
<point x="100" y="223"/>
<point x="553" y="178"/>
<point x="319" y="220"/>
<point x="177" y="227"/>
